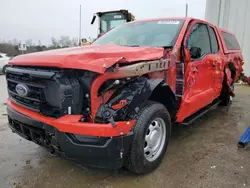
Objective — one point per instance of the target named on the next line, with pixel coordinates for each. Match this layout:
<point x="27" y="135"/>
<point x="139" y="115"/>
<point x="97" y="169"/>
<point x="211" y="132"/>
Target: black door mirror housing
<point x="195" y="52"/>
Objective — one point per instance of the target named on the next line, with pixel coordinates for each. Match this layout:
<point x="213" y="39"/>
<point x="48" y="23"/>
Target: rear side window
<point x="230" y="41"/>
<point x="214" y="41"/>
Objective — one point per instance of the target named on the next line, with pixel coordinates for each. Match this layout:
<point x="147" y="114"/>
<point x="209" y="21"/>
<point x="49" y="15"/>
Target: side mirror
<point x="195" y="52"/>
<point x="93" y="19"/>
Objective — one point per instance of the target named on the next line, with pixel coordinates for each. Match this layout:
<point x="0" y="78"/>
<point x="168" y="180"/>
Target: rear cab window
<point x="230" y="41"/>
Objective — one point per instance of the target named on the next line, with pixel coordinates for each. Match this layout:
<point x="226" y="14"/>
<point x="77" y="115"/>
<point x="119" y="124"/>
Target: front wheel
<point x="151" y="137"/>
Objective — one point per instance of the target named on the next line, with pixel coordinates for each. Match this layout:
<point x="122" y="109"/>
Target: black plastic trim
<point x="39" y="74"/>
<point x="101" y="155"/>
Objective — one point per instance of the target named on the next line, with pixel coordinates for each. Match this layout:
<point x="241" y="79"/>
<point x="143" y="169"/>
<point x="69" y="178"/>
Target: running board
<point x="189" y="120"/>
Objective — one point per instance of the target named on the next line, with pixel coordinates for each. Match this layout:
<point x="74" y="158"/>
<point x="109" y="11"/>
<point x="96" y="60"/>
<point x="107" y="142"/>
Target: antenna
<point x="80" y="26"/>
<point x="186" y="9"/>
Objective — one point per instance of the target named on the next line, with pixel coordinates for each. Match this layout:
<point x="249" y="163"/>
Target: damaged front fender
<point x="127" y="101"/>
<point x="229" y="80"/>
<point x="133" y="71"/>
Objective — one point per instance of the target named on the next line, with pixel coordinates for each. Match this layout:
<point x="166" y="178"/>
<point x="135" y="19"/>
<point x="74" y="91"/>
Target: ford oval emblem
<point x="22" y="90"/>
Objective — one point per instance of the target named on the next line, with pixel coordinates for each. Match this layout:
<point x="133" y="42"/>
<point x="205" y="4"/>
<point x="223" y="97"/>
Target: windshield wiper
<point x="166" y="46"/>
<point x="149" y="46"/>
<point x="132" y="45"/>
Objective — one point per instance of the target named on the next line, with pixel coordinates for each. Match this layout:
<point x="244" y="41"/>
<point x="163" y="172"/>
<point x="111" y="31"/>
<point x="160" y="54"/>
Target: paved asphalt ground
<point x="202" y="155"/>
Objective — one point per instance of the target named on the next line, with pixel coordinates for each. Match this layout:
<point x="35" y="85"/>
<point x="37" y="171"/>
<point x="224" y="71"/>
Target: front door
<point x="199" y="72"/>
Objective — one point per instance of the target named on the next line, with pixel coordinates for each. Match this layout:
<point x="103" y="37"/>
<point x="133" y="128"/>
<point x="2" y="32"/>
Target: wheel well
<point x="165" y="96"/>
<point x="225" y="91"/>
<point x="232" y="69"/>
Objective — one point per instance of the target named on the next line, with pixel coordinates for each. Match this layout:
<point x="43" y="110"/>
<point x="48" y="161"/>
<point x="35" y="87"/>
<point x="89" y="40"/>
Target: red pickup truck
<point x="112" y="103"/>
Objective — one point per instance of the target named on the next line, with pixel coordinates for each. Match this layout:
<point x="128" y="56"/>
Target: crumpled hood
<point x="96" y="58"/>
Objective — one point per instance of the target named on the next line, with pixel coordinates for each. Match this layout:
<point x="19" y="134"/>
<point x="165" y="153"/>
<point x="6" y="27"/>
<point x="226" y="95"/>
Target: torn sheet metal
<point x="93" y="58"/>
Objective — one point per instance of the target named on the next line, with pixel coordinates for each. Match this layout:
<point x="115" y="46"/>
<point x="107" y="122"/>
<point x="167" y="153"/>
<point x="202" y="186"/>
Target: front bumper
<point x="72" y="124"/>
<point x="103" y="152"/>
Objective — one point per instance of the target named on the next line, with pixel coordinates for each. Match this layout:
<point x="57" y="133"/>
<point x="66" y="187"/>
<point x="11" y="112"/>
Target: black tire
<point x="4" y="69"/>
<point x="136" y="161"/>
<point x="225" y="95"/>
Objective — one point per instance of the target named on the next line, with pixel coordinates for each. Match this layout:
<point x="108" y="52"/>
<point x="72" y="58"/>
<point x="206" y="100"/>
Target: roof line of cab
<point x="179" y="18"/>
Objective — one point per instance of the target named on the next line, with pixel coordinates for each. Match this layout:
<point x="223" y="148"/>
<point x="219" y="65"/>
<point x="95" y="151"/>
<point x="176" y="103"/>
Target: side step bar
<point x="189" y="120"/>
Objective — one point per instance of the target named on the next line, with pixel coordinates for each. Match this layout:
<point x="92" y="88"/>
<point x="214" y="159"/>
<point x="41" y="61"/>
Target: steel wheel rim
<point x="154" y="139"/>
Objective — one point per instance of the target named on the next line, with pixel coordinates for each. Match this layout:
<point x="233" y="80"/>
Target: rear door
<point x="216" y="61"/>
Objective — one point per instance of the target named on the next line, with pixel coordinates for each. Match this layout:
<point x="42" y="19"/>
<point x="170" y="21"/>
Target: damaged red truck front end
<point x="112" y="103"/>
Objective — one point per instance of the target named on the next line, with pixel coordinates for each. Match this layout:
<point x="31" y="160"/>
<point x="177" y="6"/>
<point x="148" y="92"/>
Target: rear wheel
<point x="226" y="98"/>
<point x="151" y="137"/>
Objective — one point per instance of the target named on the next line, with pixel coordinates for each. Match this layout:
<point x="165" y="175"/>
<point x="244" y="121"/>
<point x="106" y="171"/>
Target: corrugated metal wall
<point x="233" y="15"/>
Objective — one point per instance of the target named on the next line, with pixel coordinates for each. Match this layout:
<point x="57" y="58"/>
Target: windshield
<point x="152" y="33"/>
<point x="111" y="20"/>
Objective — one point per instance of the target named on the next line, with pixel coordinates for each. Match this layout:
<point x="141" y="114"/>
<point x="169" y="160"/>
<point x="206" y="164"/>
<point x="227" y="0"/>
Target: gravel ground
<point x="202" y="155"/>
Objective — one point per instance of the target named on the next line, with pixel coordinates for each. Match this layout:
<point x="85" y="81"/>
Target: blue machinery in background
<point x="245" y="139"/>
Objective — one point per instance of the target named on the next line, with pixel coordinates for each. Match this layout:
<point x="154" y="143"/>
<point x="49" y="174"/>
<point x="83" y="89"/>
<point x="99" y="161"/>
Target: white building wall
<point x="233" y="15"/>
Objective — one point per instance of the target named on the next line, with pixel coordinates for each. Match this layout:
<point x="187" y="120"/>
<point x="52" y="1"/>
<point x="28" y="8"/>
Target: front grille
<point x="36" y="95"/>
<point x="50" y="92"/>
<point x="28" y="132"/>
<point x="36" y="99"/>
<point x="23" y="77"/>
